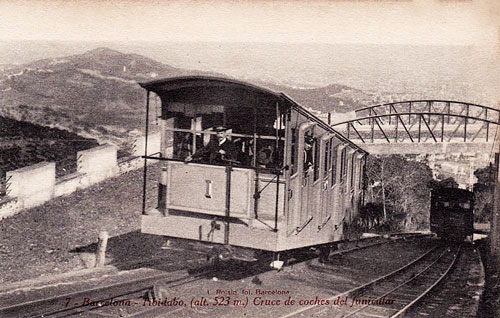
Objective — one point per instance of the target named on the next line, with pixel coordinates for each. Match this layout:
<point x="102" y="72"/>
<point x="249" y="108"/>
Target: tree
<point x="402" y="188"/>
<point x="484" y="193"/>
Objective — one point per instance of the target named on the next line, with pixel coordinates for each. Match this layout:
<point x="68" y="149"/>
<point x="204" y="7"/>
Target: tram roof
<point x="453" y="192"/>
<point x="172" y="84"/>
<point x="176" y="83"/>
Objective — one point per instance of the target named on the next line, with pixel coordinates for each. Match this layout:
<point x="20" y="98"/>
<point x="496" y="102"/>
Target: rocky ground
<point x="60" y="235"/>
<point x="490" y="300"/>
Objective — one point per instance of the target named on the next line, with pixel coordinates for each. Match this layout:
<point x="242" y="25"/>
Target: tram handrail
<point x="260" y="169"/>
<point x="299" y="229"/>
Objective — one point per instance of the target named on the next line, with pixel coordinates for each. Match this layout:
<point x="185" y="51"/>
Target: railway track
<point x="73" y="303"/>
<point x="129" y="295"/>
<point x="393" y="294"/>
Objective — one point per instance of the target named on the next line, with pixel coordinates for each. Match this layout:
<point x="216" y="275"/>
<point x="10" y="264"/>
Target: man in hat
<point x="308" y="154"/>
<point x="220" y="150"/>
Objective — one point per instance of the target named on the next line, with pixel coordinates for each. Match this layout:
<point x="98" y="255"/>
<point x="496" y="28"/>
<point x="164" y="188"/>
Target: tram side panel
<point x="195" y="196"/>
<point x="196" y="209"/>
<point x="349" y="198"/>
<point x="328" y="200"/>
<point x="303" y="195"/>
<point x="315" y="209"/>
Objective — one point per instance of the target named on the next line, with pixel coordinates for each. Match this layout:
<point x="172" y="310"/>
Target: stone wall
<point x="98" y="164"/>
<point x="31" y="186"/>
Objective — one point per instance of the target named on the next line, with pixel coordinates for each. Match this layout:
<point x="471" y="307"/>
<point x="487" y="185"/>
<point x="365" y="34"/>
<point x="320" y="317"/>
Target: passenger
<point x="220" y="150"/>
<point x="308" y="154"/>
<point x="265" y="157"/>
<point x="242" y="147"/>
<point x="184" y="147"/>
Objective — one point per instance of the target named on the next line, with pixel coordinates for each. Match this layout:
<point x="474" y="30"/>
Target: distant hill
<point x="95" y="94"/>
<point x="331" y="98"/>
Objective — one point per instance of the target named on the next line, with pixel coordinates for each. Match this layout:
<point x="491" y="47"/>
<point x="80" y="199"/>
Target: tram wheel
<point x="324" y="252"/>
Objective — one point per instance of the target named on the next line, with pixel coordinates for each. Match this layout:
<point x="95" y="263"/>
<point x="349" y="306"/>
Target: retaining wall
<point x="34" y="184"/>
<point x="31" y="186"/>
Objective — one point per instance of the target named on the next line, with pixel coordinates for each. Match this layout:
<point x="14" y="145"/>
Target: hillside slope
<point x="96" y="94"/>
<point x="23" y="144"/>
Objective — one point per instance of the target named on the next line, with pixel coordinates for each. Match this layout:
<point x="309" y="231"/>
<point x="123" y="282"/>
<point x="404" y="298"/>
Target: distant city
<point x="391" y="72"/>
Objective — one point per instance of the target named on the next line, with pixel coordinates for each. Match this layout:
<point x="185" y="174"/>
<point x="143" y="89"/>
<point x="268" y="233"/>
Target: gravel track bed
<point x="240" y="284"/>
<point x="458" y="295"/>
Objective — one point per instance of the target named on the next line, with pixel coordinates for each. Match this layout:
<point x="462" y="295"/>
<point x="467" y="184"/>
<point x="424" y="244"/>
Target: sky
<point x="423" y="46"/>
<point x="435" y="22"/>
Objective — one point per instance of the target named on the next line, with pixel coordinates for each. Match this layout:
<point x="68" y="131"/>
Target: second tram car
<point x="292" y="181"/>
<point x="452" y="213"/>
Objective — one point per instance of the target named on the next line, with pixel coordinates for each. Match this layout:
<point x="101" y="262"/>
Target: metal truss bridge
<point x="420" y="121"/>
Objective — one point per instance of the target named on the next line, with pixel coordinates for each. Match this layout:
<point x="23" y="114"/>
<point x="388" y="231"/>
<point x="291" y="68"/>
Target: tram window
<point x="344" y="172"/>
<point x="293" y="154"/>
<point x="334" y="165"/>
<point x="316" y="159"/>
<point x="183" y="145"/>
<point x="245" y="150"/>
<point x="361" y="174"/>
<point x="352" y="170"/>
<point x="182" y="122"/>
<point x="343" y="164"/>
<point x="241" y="119"/>
<point x="465" y="205"/>
<point x="212" y="120"/>
<point x="191" y="129"/>
<point x="326" y="163"/>
<point x="268" y="155"/>
<point x="266" y="118"/>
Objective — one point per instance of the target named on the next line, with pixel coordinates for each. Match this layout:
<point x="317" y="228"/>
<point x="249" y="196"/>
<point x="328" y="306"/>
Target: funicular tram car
<point x="294" y="182"/>
<point x="452" y="214"/>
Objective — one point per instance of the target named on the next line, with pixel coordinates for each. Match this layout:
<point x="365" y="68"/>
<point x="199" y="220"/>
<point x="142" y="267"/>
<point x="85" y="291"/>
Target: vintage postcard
<point x="264" y="158"/>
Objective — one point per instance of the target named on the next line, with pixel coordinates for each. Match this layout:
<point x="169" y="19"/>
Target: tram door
<point x="309" y="149"/>
<point x="326" y="147"/>
<point x="342" y="162"/>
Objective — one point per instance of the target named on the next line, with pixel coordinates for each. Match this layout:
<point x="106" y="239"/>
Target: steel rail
<point x="349" y="250"/>
<point x="416" y="300"/>
<point x="52" y="305"/>
<point x="406" y="283"/>
<point x="364" y="286"/>
<point x="181" y="281"/>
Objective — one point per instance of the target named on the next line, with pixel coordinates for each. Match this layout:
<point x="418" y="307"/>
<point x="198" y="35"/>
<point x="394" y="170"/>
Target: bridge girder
<point x="421" y="121"/>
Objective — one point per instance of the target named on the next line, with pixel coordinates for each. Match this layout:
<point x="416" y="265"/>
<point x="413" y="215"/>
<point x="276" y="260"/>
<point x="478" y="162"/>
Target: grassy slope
<point x="43" y="240"/>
